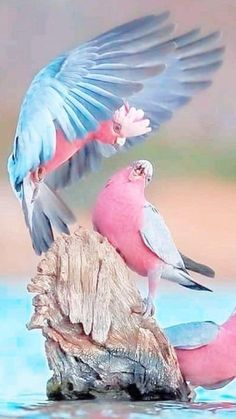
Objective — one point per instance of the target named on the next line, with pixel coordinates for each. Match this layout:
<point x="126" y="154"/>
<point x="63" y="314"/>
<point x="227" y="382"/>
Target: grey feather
<point x="139" y="27"/>
<point x="55" y="208"/>
<point x="47" y="211"/>
<point x="198" y="43"/>
<point x="188" y="70"/>
<point x="219" y="384"/>
<point x="157" y="237"/>
<point x="191" y="265"/>
<point x="192" y="335"/>
<point x="41" y="232"/>
<point x="186" y="38"/>
<point x="207" y="57"/>
<point x="182" y="277"/>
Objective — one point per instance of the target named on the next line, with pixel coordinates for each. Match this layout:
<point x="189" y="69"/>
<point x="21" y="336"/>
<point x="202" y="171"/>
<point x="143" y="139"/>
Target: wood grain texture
<point x="97" y="342"/>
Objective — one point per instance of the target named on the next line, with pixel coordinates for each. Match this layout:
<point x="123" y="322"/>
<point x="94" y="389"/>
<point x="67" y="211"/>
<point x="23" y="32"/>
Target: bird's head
<point x="141" y="170"/>
<point x="135" y="177"/>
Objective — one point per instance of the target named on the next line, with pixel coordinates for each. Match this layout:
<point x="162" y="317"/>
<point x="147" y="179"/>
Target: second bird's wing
<point x="157" y="237"/>
<point x="192" y="335"/>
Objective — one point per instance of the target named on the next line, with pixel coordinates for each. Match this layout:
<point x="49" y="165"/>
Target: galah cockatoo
<point x="90" y="100"/>
<point x="138" y="231"/>
<point x="206" y="351"/>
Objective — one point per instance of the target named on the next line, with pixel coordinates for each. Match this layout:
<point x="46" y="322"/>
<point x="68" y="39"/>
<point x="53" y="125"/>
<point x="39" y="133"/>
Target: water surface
<point x="24" y="372"/>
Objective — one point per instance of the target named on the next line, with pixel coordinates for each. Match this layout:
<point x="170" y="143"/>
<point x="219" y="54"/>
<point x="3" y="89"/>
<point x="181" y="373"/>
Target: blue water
<point x="24" y="373"/>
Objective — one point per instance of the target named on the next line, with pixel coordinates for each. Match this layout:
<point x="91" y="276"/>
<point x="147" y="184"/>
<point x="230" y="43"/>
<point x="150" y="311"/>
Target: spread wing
<point x="188" y="68"/>
<point x="192" y="335"/>
<point x="157" y="237"/>
<point x="83" y="87"/>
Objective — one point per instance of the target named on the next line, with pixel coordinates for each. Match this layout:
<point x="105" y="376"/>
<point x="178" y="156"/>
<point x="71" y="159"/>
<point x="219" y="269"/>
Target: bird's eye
<point x="116" y="127"/>
<point x="148" y="178"/>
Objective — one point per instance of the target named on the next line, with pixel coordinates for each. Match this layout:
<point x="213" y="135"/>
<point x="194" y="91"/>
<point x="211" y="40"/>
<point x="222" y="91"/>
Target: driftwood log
<point x="97" y="342"/>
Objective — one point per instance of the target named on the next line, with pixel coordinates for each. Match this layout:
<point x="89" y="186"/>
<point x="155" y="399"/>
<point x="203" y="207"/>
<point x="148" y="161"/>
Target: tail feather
<point x="199" y="268"/>
<point x="41" y="231"/>
<point x="55" y="208"/>
<point x="43" y="213"/>
<point x="182" y="278"/>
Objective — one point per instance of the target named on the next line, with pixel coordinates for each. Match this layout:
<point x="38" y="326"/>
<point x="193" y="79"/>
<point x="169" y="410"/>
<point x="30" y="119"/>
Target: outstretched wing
<point x="188" y="69"/>
<point x="157" y="237"/>
<point x="79" y="89"/>
<point x="192" y="335"/>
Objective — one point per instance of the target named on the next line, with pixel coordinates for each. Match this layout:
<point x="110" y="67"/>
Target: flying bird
<point x="138" y="232"/>
<point x="205" y="351"/>
<point x="107" y="93"/>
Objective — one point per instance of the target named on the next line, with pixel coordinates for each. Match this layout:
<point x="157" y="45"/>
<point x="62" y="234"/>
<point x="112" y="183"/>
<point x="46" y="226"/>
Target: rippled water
<point x="23" y="370"/>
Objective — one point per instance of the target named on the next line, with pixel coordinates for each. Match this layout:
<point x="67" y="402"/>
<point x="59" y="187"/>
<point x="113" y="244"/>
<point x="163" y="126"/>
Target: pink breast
<point x="137" y="256"/>
<point x="64" y="150"/>
<point x="121" y="223"/>
<point x="209" y="364"/>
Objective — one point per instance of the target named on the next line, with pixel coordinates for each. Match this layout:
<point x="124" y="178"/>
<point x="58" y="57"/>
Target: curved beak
<point x="120" y="141"/>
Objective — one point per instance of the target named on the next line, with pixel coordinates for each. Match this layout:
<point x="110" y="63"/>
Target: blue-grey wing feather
<point x="188" y="70"/>
<point x="157" y="237"/>
<point x="192" y="335"/>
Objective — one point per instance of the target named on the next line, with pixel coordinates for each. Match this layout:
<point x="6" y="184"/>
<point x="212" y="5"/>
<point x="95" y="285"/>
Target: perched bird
<point x="75" y="111"/>
<point x="138" y="231"/>
<point x="206" y="351"/>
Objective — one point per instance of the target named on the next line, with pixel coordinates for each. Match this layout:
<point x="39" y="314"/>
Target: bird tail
<point x="44" y="209"/>
<point x="182" y="278"/>
<point x="197" y="267"/>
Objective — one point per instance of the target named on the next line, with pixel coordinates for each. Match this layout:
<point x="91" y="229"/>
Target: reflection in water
<point x="23" y="370"/>
<point x="124" y="410"/>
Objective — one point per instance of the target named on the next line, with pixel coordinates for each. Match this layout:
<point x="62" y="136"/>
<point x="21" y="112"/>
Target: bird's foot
<point x="148" y="308"/>
<point x="39" y="174"/>
<point x="129" y="122"/>
<point x="37" y="177"/>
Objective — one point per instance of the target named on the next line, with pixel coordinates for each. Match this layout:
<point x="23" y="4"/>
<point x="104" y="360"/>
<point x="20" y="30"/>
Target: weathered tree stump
<point x="96" y="345"/>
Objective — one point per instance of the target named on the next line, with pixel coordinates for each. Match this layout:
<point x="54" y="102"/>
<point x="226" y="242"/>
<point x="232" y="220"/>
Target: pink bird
<point x="206" y="352"/>
<point x="137" y="230"/>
